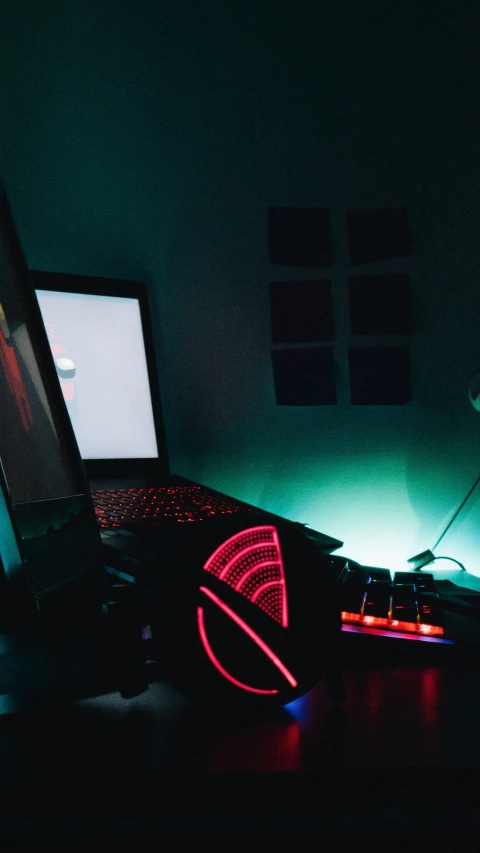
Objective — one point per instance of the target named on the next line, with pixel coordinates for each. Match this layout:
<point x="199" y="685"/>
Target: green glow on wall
<point x="366" y="504"/>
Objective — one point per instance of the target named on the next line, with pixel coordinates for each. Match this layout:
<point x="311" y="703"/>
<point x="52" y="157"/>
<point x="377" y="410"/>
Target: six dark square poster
<point x="302" y="311"/>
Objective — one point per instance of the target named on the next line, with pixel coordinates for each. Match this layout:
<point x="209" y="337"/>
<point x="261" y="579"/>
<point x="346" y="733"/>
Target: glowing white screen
<point x="97" y="343"/>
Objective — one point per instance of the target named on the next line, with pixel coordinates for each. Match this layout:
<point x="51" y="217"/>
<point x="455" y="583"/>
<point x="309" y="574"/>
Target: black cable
<point x="477" y="481"/>
<point x="453" y="561"/>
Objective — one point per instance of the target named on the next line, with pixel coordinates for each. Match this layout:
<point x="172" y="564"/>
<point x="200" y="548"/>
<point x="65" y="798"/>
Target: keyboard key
<point x="377" y="601"/>
<point x="404" y="579"/>
<point x="353" y="599"/>
<point x="382" y="576"/>
<point x="425" y="582"/>
<point x="404" y="603"/>
<point x="356" y="577"/>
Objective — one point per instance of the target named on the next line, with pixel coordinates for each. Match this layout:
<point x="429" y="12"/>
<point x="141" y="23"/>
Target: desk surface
<point x="403" y="749"/>
<point x="406" y="739"/>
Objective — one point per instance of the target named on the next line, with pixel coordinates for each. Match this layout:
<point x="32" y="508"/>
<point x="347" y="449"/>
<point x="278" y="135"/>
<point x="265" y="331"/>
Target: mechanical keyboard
<point x="407" y="605"/>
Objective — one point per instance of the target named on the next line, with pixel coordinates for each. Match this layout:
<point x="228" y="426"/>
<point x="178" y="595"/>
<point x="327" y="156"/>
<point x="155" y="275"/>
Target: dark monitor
<point x="44" y="487"/>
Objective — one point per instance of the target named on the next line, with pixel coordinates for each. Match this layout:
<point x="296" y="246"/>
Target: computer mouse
<point x="248" y="611"/>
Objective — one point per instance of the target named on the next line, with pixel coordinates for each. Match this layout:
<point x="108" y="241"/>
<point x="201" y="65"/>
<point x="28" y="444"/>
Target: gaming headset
<point x="246" y="612"/>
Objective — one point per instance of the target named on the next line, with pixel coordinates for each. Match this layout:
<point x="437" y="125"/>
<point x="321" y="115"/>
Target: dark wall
<point x="148" y="140"/>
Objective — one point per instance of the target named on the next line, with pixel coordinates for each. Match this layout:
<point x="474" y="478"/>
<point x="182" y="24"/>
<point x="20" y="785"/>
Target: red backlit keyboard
<point x="183" y="504"/>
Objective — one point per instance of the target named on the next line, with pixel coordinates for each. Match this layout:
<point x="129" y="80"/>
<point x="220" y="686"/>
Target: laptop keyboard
<point x="151" y="506"/>
<point x="372" y="601"/>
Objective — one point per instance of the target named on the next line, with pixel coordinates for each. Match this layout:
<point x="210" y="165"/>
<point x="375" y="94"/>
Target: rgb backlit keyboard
<point x="371" y="601"/>
<point x="182" y="504"/>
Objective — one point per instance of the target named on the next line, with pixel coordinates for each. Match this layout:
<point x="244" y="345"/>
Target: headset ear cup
<point x="249" y="644"/>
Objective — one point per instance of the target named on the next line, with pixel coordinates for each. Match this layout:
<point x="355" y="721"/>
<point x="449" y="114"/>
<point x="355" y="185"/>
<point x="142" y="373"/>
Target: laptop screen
<point x="99" y="352"/>
<point x="101" y="340"/>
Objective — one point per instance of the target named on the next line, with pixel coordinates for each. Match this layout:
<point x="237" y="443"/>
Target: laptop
<point x="213" y="582"/>
<point x="101" y="340"/>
